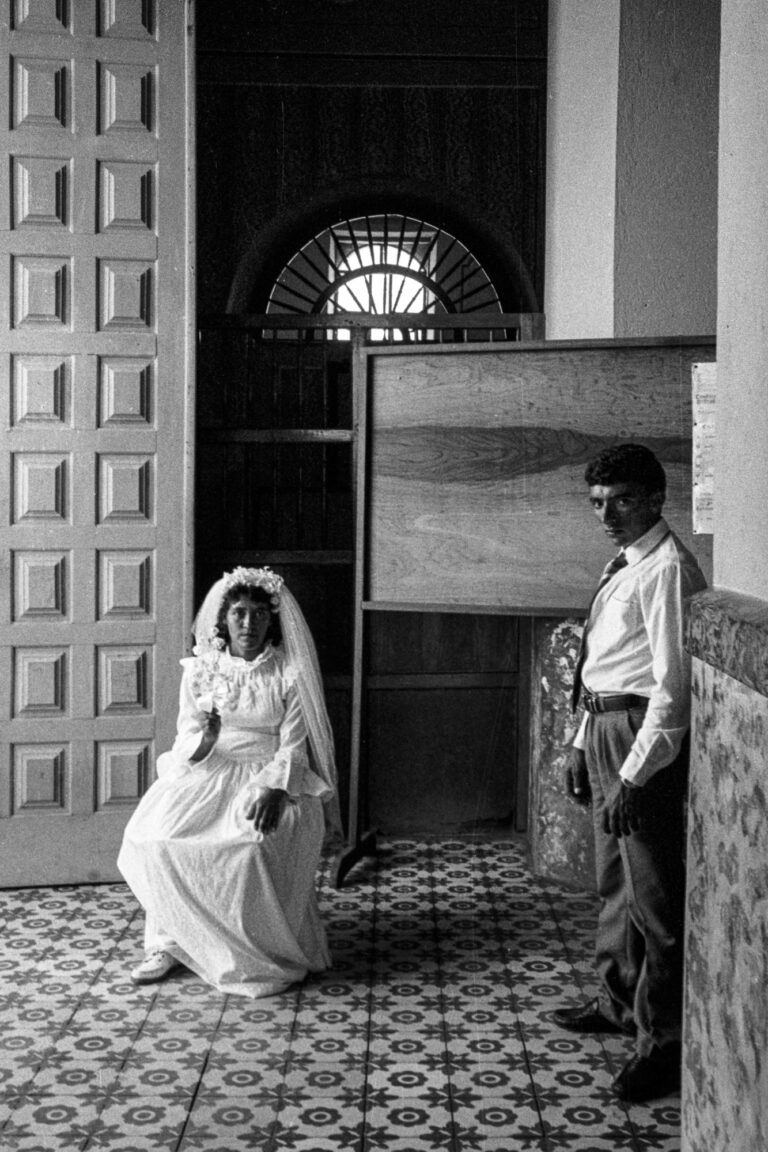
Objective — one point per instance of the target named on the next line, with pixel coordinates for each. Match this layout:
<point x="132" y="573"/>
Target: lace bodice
<point x="233" y="685"/>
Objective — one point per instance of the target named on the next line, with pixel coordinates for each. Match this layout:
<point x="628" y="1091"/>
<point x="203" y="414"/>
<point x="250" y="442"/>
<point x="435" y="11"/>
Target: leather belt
<point x="613" y="701"/>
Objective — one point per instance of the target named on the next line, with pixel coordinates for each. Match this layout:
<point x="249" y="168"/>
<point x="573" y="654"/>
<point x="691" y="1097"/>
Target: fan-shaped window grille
<point x="384" y="265"/>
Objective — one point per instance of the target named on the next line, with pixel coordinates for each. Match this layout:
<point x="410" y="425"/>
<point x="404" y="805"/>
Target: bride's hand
<point x="212" y="725"/>
<point x="266" y="810"/>
<point x="210" y="734"/>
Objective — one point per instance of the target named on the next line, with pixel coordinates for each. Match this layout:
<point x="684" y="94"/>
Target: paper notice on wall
<point x="704" y="379"/>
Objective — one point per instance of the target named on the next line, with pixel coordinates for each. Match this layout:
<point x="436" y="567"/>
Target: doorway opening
<point x="277" y="485"/>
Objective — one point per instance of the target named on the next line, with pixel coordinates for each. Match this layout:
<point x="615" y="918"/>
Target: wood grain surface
<point x="477" y="492"/>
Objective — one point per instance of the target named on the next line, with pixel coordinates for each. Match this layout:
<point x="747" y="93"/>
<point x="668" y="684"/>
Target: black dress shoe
<point x="650" y="1077"/>
<point x="585" y="1018"/>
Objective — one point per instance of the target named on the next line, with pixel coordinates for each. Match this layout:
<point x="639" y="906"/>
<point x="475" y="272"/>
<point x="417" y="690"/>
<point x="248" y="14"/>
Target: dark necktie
<point x="609" y="572"/>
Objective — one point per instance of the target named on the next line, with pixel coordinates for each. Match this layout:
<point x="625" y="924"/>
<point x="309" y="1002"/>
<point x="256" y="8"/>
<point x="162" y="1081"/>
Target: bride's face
<point x="248" y="624"/>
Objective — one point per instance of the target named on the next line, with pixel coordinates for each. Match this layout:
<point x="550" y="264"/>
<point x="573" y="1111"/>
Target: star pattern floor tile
<point x="433" y="1031"/>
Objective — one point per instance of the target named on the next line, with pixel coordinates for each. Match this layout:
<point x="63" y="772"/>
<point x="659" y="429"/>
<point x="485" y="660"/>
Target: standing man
<point x="630" y="759"/>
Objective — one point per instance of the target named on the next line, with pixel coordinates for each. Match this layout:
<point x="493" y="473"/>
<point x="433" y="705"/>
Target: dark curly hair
<point x="259" y="596"/>
<point x="627" y="464"/>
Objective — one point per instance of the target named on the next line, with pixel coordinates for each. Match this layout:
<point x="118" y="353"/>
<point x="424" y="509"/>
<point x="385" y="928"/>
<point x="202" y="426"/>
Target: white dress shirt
<point x="634" y="644"/>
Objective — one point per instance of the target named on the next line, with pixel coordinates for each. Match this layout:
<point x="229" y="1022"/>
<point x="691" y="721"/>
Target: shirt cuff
<point x="579" y="739"/>
<point x="651" y="754"/>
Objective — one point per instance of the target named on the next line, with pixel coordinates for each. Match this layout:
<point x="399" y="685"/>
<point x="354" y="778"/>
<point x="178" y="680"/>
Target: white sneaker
<point x="156" y="965"/>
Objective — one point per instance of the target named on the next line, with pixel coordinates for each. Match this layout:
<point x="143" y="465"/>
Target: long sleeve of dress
<point x="289" y="768"/>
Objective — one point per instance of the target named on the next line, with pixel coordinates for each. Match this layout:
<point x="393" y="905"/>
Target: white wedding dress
<point x="236" y="907"/>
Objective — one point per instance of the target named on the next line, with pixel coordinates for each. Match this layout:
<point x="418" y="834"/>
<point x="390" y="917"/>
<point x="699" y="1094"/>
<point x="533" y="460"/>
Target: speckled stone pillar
<point x="725" y="1081"/>
<point x="560" y="832"/>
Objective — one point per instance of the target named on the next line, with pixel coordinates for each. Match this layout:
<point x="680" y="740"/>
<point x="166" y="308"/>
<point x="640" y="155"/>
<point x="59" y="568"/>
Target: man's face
<point x="626" y="511"/>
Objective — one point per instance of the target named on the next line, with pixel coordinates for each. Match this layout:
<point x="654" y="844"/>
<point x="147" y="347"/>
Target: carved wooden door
<point x="93" y="377"/>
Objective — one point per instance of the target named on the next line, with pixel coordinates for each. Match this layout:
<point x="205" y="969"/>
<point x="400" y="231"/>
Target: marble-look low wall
<point x="560" y="832"/>
<point x="725" y="1083"/>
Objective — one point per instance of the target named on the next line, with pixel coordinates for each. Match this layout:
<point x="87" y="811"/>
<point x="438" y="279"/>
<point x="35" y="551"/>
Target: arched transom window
<point x="383" y="265"/>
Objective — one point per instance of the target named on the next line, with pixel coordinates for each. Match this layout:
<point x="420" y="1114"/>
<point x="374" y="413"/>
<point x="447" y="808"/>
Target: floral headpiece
<point x="257" y="578"/>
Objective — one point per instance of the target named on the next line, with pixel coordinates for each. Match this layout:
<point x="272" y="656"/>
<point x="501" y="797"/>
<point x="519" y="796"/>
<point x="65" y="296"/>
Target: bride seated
<point x="223" y="849"/>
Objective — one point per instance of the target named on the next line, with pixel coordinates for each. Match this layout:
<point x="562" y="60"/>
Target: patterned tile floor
<point x="433" y="1031"/>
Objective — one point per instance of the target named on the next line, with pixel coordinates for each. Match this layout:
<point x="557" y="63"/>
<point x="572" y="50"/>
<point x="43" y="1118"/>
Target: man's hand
<point x="265" y="812"/>
<point x="577" y="777"/>
<point x="622" y="814"/>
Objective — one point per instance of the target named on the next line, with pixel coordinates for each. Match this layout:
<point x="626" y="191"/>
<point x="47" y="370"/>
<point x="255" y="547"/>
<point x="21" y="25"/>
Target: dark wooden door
<point x="274" y="482"/>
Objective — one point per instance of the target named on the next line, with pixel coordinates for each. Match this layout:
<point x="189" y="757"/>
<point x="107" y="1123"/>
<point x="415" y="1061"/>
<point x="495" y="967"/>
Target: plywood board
<point x="476" y="467"/>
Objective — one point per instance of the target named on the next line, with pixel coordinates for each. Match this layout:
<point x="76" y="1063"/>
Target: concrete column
<point x="666" y="168"/>
<point x="725" y="1082"/>
<point x="581" y="173"/>
<point x="741" y="460"/>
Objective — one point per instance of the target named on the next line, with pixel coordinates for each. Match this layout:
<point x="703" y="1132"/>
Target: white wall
<point x="741" y="457"/>
<point x="631" y="233"/>
<point x="581" y="171"/>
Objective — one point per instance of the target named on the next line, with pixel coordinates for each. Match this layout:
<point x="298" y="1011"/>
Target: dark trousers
<point x="641" y="885"/>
